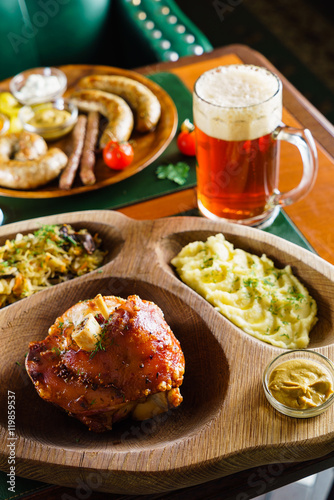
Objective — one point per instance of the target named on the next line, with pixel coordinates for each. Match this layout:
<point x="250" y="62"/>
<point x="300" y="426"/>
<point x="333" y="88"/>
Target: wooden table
<point x="311" y="215"/>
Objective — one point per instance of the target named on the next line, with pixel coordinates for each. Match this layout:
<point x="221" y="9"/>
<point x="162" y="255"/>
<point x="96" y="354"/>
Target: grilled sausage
<point x="140" y="98"/>
<point x="68" y="174"/>
<point x="31" y="174"/>
<point x="114" y="108"/>
<point x="26" y="162"/>
<point x="88" y="158"/>
<point x="22" y="146"/>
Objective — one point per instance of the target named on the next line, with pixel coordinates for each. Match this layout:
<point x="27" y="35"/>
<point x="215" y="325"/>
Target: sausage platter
<point x="147" y="146"/>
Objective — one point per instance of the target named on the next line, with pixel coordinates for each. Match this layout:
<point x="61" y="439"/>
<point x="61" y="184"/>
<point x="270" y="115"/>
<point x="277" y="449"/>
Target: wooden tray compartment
<point x="319" y="284"/>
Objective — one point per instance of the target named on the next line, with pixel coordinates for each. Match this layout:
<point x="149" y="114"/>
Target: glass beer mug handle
<point x="302" y="138"/>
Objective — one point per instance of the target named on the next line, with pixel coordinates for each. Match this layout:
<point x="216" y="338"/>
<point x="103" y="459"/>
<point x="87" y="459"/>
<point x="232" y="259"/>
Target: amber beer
<point x="236" y="110"/>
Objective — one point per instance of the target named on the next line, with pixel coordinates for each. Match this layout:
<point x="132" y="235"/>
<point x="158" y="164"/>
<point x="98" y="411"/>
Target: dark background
<point x="297" y="36"/>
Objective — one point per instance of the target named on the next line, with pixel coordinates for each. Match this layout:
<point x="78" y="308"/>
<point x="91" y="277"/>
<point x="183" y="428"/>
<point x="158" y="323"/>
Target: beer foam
<point x="237" y="102"/>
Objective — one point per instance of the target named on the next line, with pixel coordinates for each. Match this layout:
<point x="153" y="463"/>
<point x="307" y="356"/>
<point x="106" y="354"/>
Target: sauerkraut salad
<point x="50" y="255"/>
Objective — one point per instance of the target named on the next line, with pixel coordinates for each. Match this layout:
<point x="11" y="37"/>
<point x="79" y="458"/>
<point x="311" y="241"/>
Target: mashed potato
<point x="269" y="303"/>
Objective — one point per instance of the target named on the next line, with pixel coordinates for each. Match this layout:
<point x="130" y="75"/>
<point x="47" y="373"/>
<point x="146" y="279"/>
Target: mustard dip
<point x="49" y="117"/>
<point x="300" y="383"/>
<point x="48" y="121"/>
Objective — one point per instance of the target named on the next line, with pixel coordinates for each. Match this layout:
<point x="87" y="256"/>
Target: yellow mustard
<point x="300" y="384"/>
<point x="48" y="121"/>
<point x="49" y="118"/>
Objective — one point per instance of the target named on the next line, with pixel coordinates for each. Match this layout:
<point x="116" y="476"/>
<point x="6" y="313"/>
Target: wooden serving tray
<point x="224" y="424"/>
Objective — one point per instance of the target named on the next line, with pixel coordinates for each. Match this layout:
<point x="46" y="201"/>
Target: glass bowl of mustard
<point x="300" y="383"/>
<point x="37" y="85"/>
<point x="51" y="120"/>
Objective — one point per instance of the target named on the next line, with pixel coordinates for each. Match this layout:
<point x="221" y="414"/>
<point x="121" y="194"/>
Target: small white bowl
<point x="299" y="354"/>
<point x="38" y="85"/>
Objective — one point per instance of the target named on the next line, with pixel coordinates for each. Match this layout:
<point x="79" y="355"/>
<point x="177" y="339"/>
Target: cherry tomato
<point x="117" y="155"/>
<point x="186" y="139"/>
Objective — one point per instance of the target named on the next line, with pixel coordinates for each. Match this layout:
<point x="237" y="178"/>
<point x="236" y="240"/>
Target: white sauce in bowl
<point x="39" y="86"/>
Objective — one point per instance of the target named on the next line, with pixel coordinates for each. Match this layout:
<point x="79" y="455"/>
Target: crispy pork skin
<point x="107" y="358"/>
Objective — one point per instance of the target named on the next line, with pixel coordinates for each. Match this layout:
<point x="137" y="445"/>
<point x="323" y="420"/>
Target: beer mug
<point x="238" y="125"/>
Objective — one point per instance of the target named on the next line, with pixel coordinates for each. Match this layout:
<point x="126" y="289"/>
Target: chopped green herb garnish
<point x="69" y="238"/>
<point x="268" y="282"/>
<point x="98" y="346"/>
<point x="295" y="295"/>
<point x="56" y="350"/>
<point x="45" y="230"/>
<point x="251" y="282"/>
<point x="207" y="262"/>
